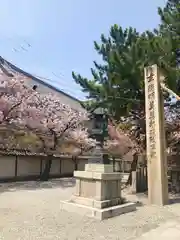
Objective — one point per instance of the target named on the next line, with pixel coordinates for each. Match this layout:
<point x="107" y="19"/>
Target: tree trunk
<point x="74" y="159"/>
<point x="106" y="158"/>
<point x="45" y="174"/>
<point x="114" y="164"/>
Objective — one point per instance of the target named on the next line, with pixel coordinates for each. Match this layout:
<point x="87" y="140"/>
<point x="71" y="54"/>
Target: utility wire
<point x="65" y="87"/>
<point x="62" y="82"/>
<point x="60" y="76"/>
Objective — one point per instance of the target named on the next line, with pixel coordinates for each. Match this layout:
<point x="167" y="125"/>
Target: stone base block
<point x="100" y="168"/>
<point x="99" y="214"/>
<point x="96" y="203"/>
<point x="98" y="193"/>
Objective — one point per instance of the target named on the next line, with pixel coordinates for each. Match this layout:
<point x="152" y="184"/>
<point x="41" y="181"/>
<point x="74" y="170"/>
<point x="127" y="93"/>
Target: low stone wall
<point x="19" y="168"/>
<point x="15" y="168"/>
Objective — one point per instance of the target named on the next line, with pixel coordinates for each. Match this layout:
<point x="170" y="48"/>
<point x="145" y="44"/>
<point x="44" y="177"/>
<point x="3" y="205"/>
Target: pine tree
<point x="117" y="84"/>
<point x="170" y="35"/>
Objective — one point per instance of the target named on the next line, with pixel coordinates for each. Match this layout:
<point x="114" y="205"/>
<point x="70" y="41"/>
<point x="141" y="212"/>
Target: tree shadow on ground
<point x="37" y="185"/>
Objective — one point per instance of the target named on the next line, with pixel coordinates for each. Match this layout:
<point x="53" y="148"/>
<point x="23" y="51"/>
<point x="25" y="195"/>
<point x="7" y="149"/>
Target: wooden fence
<point x="139" y="178"/>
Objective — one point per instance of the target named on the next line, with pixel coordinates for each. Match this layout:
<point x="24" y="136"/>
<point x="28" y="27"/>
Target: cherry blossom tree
<point x="55" y="124"/>
<point x="122" y="141"/>
<point x="15" y="95"/>
<point x="52" y="122"/>
<point x="119" y="143"/>
<point x="80" y="143"/>
<point x="126" y="136"/>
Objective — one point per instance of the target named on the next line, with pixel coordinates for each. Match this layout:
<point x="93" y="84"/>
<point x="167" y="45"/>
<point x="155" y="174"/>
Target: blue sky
<point x="61" y="33"/>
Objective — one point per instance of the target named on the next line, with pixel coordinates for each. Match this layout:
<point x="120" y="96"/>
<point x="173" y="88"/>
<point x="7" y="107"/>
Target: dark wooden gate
<point x="141" y="179"/>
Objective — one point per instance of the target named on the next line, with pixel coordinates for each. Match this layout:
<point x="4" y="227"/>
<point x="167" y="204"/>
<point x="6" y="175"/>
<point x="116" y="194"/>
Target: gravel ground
<point x="30" y="211"/>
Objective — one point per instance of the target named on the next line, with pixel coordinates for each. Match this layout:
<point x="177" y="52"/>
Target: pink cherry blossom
<point x="119" y="142"/>
<point x="44" y="115"/>
<point x="13" y="96"/>
<point x="56" y="120"/>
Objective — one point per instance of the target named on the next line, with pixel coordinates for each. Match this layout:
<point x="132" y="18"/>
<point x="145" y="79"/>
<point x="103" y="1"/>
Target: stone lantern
<point x="98" y="187"/>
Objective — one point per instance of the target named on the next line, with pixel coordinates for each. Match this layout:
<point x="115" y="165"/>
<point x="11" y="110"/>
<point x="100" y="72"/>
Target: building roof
<point x="9" y="68"/>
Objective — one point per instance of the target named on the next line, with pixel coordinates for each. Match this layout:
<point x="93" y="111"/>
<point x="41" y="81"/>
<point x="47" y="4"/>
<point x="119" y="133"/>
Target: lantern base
<point x="98" y="193"/>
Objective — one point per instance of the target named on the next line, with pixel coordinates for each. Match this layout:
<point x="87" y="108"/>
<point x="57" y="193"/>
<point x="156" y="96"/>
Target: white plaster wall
<point x="55" y="167"/>
<point x="81" y="164"/>
<point x="67" y="166"/>
<point x="28" y="166"/>
<point x="7" y="167"/>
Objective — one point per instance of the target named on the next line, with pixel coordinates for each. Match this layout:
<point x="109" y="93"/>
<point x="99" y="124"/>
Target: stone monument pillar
<point x="155" y="138"/>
